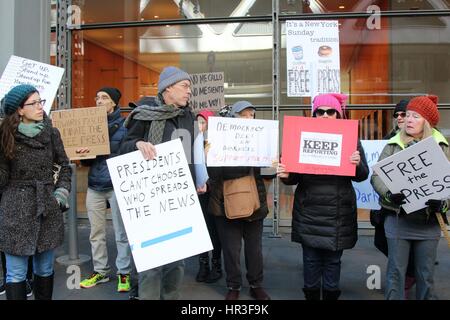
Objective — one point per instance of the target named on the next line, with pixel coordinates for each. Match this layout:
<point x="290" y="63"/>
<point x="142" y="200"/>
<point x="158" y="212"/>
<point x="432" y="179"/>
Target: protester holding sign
<point x="31" y="221"/>
<point x="150" y="125"/>
<point x="418" y="231"/>
<point x="233" y="230"/>
<point x="100" y="190"/>
<point x="324" y="217"/>
<point x="205" y="273"/>
<point x="377" y="216"/>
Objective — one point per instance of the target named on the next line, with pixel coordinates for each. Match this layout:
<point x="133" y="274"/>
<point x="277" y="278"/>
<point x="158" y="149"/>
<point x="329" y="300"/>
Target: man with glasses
<point x="151" y="125"/>
<point x="100" y="192"/>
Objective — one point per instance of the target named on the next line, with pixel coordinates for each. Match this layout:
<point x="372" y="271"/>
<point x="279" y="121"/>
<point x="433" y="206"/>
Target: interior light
<point x="156" y="17"/>
<point x="341" y="7"/>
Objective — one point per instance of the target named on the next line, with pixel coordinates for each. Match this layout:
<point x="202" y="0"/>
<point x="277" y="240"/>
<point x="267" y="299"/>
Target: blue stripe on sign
<point x="166" y="237"/>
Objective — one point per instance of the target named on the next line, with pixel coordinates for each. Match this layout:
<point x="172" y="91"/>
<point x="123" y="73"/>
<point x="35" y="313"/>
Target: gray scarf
<point x="158" y="116"/>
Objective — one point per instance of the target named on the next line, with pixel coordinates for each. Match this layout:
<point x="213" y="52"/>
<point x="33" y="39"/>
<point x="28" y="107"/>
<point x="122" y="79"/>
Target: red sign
<point x="319" y="146"/>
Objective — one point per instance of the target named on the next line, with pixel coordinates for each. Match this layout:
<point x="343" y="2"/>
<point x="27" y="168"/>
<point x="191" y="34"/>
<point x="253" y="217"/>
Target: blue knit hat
<point x="170" y="76"/>
<point x="239" y="106"/>
<point x="16" y="96"/>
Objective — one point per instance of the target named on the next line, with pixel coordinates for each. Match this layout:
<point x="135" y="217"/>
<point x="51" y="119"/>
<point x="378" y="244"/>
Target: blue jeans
<point x="17" y="266"/>
<point x="424" y="259"/>
<point x="321" y="268"/>
<point x="162" y="283"/>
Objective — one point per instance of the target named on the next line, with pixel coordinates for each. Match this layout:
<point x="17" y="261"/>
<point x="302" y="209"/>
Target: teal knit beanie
<point x="16" y="97"/>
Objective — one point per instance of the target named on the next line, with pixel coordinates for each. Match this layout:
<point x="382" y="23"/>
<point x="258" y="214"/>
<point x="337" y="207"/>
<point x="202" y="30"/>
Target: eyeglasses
<point x="101" y="98"/>
<point x="36" y="103"/>
<point x="329" y="112"/>
<point x="401" y="114"/>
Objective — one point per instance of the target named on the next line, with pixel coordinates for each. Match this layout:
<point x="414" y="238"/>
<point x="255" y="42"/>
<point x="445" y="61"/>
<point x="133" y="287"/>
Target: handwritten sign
<point x="83" y="127"/>
<point x="159" y="206"/>
<point x="366" y="196"/>
<point x="421" y="172"/>
<point x="207" y="91"/>
<point x="319" y="146"/>
<point x="242" y="142"/>
<point x="44" y="77"/>
<point x="313" y="64"/>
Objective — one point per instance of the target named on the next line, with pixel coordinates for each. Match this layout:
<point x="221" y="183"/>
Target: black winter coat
<point x="30" y="218"/>
<point x="98" y="177"/>
<point x="138" y="130"/>
<point x="216" y="202"/>
<point x="325" y="214"/>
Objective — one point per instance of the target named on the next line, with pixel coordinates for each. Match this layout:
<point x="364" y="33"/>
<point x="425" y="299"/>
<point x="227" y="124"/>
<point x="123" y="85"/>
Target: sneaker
<point x="93" y="280"/>
<point x="123" y="284"/>
<point x="29" y="287"/>
<point x="2" y="289"/>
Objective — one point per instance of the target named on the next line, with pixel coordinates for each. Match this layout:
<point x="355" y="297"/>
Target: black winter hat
<point x="113" y="93"/>
<point x="401" y="106"/>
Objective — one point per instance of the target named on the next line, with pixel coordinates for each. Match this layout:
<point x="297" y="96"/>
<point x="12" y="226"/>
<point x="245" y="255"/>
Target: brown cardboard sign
<point x="83" y="128"/>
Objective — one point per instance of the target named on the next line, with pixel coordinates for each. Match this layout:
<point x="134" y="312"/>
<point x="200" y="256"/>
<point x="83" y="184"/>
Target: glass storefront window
<point x="405" y="57"/>
<point x="103" y="11"/>
<point x="322" y="6"/>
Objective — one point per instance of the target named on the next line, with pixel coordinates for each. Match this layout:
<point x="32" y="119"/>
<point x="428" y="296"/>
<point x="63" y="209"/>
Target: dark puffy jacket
<point x="216" y="177"/>
<point x="325" y="214"/>
<point x="98" y="177"/>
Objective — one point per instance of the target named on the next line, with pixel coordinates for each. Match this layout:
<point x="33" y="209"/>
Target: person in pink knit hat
<point x="328" y="105"/>
<point x="324" y="216"/>
<point x="207" y="272"/>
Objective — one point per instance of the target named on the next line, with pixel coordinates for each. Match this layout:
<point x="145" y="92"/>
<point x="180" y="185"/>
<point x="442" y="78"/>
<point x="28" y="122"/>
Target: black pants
<point x="30" y="267"/>
<point x="211" y="225"/>
<point x="231" y="233"/>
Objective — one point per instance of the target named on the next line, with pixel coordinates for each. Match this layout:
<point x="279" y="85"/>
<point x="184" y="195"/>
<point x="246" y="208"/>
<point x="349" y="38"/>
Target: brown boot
<point x="232" y="294"/>
<point x="259" y="294"/>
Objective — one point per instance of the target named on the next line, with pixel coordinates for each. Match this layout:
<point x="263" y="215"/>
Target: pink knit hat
<point x="205" y="114"/>
<point x="334" y="100"/>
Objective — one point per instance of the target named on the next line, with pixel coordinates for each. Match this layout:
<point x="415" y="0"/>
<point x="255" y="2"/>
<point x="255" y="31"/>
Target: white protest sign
<point x="207" y="91"/>
<point x="366" y="196"/>
<point x="44" y="77"/>
<point x="242" y="142"/>
<point x="312" y="57"/>
<point x="421" y="172"/>
<point x="330" y="152"/>
<point x="159" y="206"/>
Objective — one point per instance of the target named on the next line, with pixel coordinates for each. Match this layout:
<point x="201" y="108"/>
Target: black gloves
<point x="396" y="198"/>
<point x="435" y="205"/>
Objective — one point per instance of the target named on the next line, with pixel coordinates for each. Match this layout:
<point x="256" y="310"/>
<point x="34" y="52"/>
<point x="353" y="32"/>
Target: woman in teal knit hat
<point x="31" y="222"/>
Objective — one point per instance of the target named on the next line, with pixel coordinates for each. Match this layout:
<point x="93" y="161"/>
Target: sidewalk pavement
<point x="283" y="279"/>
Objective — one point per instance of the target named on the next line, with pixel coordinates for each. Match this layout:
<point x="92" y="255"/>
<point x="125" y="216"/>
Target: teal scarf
<point x="31" y="129"/>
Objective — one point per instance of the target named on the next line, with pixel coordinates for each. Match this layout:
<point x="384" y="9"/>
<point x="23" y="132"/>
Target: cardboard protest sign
<point x="319" y="146"/>
<point x="159" y="206"/>
<point x="44" y="77"/>
<point x="421" y="172"/>
<point x="242" y="142"/>
<point x="207" y="91"/>
<point x="366" y="196"/>
<point x="312" y="57"/>
<point x="83" y="128"/>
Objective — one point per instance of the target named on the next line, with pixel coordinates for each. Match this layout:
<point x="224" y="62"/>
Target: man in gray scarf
<point x="150" y="125"/>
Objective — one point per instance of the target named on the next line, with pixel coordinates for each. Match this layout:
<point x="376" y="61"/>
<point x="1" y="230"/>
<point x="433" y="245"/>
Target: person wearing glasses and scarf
<point x="324" y="217"/>
<point x="31" y="220"/>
